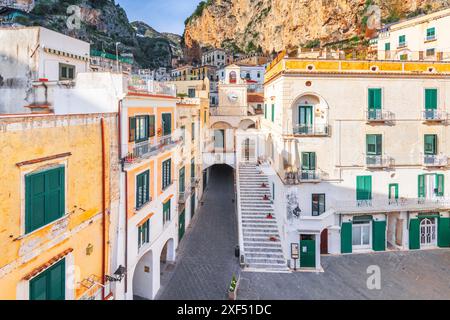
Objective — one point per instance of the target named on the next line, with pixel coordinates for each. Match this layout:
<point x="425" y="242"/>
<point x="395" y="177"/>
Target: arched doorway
<point x="428" y="232"/>
<point x="167" y="257"/>
<point x="324" y="242"/>
<point x="143" y="278"/>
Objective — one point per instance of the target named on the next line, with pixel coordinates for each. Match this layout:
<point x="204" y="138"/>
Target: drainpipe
<point x="104" y="229"/>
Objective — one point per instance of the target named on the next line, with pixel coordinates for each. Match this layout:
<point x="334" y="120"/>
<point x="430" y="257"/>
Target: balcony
<point x="146" y="149"/>
<point x="183" y="196"/>
<point x="379" y="116"/>
<point x="402" y="45"/>
<point x="392" y="205"/>
<point x="318" y="130"/>
<point x="379" y="162"/>
<point x="435" y="161"/>
<point x="303" y="176"/>
<point x="436" y="116"/>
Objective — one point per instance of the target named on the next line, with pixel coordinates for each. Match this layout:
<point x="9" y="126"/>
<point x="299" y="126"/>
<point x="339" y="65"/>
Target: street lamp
<point x="117" y="55"/>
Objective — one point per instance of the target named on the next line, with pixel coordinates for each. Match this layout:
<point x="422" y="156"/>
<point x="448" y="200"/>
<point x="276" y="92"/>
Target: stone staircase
<point x="261" y="239"/>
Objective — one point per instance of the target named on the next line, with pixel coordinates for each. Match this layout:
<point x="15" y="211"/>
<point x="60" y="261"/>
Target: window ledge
<point x="24" y="236"/>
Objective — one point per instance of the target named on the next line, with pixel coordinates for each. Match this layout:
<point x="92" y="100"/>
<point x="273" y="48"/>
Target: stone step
<point x="265" y="255"/>
<point x="261" y="224"/>
<point x="263" y="260"/>
<point x="263" y="249"/>
<point x="258" y="239"/>
<point x="268" y="267"/>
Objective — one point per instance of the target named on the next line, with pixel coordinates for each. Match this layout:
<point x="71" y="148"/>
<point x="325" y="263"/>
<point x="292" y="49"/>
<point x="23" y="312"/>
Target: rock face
<point x="103" y="23"/>
<point x="274" y="25"/>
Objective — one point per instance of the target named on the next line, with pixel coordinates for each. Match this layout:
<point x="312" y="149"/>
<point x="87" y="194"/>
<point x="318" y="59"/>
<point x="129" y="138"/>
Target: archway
<point x="143" y="278"/>
<point x="247" y="124"/>
<point x="167" y="257"/>
<point x="309" y="115"/>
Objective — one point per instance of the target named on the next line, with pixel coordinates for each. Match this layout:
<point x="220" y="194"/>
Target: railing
<point x="379" y="115"/>
<point x="389" y="205"/>
<point x="434" y="115"/>
<point x="435" y="160"/>
<point x="190" y="101"/>
<point x="145" y="149"/>
<point x="402" y="44"/>
<point x="430" y="38"/>
<point x="302" y="176"/>
<point x="312" y="130"/>
<point x="378" y="161"/>
<point x="183" y="196"/>
<point x="143" y="83"/>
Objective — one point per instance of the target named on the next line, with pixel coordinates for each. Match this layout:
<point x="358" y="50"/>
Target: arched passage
<point x="143" y="277"/>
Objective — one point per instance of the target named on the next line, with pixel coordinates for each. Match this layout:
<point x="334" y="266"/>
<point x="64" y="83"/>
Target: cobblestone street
<point x="206" y="262"/>
<point x="404" y="275"/>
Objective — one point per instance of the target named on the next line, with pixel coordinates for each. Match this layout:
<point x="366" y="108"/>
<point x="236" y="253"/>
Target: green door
<point x="414" y="234"/>
<point x="50" y="284"/>
<point x="181" y="225"/>
<point x="167" y="123"/>
<point x="305" y="119"/>
<point x="308" y="252"/>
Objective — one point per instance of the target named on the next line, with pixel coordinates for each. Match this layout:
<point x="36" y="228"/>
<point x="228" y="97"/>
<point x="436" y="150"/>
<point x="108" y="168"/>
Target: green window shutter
<point x="142" y="189"/>
<point x="363" y="188"/>
<point x="193" y="131"/>
<point x="132" y="129"/>
<point x="375" y="98"/>
<point x="167" y="173"/>
<point x="346" y="237"/>
<point x="387" y="46"/>
<point x="273" y="113"/>
<point x="440" y="178"/>
<point x="430" y="144"/>
<point x="430" y="99"/>
<point x="50" y="284"/>
<point x="182" y="182"/>
<point x="38" y="287"/>
<point x="151" y="126"/>
<point x="444" y="232"/>
<point x="265" y="111"/>
<point x="379" y="235"/>
<point x="421" y="186"/>
<point x="414" y="234"/>
<point x="308" y="161"/>
<point x="167" y="123"/>
<point x="393" y="191"/>
<point x="44" y="198"/>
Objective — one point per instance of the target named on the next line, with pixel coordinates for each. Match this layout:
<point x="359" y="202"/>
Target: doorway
<point x="324" y="242"/>
<point x="307" y="251"/>
<point x="428" y="236"/>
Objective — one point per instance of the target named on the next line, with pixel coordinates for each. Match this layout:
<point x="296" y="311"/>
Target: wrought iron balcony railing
<point x="434" y="115"/>
<point x="376" y="115"/>
<point x="303" y="176"/>
<point x="311" y="130"/>
<point x="378" y="161"/>
<point x="148" y="148"/>
<point x="435" y="160"/>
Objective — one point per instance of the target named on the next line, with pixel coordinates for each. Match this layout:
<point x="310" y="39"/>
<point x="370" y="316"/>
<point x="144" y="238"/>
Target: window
<point x="361" y="235"/>
<point x="404" y="57"/>
<point x="204" y="116"/>
<point x="431" y="34"/>
<point x="50" y="284"/>
<point x="193" y="131"/>
<point x="431" y="186"/>
<point x="167" y="123"/>
<point x="182" y="180"/>
<point x="364" y="188"/>
<point x="430" y="144"/>
<point x="193" y="168"/>
<point x="66" y="72"/>
<point x="191" y="93"/>
<point x="431" y="52"/>
<point x="44" y="198"/>
<point x="219" y="139"/>
<point x="273" y="113"/>
<point x="374" y="144"/>
<point x="402" y="41"/>
<point x="430" y="99"/>
<point x="387" y="46"/>
<point x="142" y="189"/>
<point x="166" y="174"/>
<point x="318" y="204"/>
<point x="144" y="233"/>
<point x="265" y="111"/>
<point x="140" y="128"/>
<point x="308" y="161"/>
<point x="166" y="212"/>
<point x="375" y="98"/>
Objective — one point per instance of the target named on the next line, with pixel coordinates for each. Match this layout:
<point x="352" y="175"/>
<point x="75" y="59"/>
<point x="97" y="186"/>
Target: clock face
<point x="233" y="97"/>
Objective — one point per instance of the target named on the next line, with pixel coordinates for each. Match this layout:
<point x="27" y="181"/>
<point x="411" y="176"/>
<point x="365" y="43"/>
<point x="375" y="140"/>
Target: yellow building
<point x="56" y="198"/>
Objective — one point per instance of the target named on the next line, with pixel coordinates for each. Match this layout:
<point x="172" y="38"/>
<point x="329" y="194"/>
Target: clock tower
<point x="233" y="93"/>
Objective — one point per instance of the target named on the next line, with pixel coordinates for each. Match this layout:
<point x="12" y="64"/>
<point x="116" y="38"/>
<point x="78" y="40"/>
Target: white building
<point x="421" y="38"/>
<point x="357" y="156"/>
<point x="217" y="58"/>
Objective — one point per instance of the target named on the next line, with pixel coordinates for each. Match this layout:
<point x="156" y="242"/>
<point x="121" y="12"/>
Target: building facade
<point x="357" y="156"/>
<point x="58" y="224"/>
<point x="420" y="38"/>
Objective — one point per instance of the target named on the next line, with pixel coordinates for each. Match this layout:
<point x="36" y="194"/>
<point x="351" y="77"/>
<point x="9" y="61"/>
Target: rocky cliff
<point x="274" y="25"/>
<point x="103" y="23"/>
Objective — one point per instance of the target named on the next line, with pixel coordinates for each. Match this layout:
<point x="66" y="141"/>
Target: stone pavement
<point x="404" y="275"/>
<point x="205" y="258"/>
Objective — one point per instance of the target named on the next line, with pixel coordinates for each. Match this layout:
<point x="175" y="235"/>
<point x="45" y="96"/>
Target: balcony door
<point x="428" y="232"/>
<point x="305" y="119"/>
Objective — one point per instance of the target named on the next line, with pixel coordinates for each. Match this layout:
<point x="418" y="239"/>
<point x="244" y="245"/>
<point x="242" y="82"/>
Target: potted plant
<point x="232" y="290"/>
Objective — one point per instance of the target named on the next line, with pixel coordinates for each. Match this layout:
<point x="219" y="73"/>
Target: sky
<point x="162" y="15"/>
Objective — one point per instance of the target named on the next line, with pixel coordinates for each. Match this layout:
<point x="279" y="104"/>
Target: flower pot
<point x="232" y="295"/>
